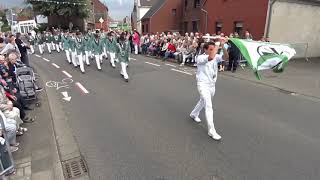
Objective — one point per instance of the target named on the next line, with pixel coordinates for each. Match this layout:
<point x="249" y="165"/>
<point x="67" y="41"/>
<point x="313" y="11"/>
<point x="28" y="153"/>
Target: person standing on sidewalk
<point x="136" y="42"/>
<point x="206" y="79"/>
<point x="31" y="40"/>
<point x="39" y="41"/>
<point x="23" y="49"/>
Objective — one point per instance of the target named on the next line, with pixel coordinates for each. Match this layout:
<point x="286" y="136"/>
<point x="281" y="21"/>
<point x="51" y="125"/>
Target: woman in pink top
<point x="136" y="41"/>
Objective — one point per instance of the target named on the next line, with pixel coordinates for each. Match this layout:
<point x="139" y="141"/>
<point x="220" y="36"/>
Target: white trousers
<point x="112" y="58"/>
<point x="136" y="49"/>
<point x="184" y="57"/>
<point x="53" y="46"/>
<point x="206" y="93"/>
<point x="80" y="62"/>
<point x="124" y="70"/>
<point x="60" y="45"/>
<point x="40" y="48"/>
<point x="49" y="47"/>
<point x="32" y="49"/>
<point x="87" y="57"/>
<point x="105" y="52"/>
<point x="68" y="55"/>
<point x="57" y="47"/>
<point x="74" y="58"/>
<point x="98" y="61"/>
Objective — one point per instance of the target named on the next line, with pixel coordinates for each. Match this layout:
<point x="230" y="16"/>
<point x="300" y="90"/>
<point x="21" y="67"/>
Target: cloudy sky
<point x="118" y="9"/>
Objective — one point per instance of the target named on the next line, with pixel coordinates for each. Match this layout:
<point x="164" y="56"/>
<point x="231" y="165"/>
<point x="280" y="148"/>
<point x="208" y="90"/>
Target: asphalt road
<point x="141" y="130"/>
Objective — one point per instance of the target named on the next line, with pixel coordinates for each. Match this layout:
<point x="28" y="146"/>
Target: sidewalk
<point x="300" y="77"/>
<point x="37" y="154"/>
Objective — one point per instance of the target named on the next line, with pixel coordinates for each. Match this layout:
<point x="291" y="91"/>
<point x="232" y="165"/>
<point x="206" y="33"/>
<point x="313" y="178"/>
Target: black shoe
<point x="27" y="108"/>
<point x="126" y="80"/>
<point x="233" y="71"/>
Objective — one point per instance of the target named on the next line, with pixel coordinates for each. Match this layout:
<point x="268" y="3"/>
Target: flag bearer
<point x="80" y="51"/>
<point x="97" y="46"/>
<point x="65" y="39"/>
<point x="207" y="72"/>
<point x="123" y="55"/>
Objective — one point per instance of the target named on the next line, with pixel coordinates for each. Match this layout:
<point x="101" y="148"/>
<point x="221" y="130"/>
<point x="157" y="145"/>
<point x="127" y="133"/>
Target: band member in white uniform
<point x="206" y="79"/>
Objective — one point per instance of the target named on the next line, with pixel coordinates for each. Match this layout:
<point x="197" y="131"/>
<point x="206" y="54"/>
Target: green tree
<point x="79" y="8"/>
<point x="5" y="27"/>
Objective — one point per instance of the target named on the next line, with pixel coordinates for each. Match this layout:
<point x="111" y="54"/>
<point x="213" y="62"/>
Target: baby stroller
<point x="26" y="83"/>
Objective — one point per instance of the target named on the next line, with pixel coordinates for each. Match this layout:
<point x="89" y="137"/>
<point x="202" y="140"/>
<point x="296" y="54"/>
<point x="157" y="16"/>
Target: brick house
<point x="164" y="15"/>
<point x="226" y="16"/>
<point x="140" y="8"/>
<point x="100" y="10"/>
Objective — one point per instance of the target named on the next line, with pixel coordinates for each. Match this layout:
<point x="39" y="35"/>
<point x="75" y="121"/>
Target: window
<point x="195" y="26"/>
<point x="185" y="4"/>
<point x="185" y="26"/>
<point x="142" y="28"/>
<point x="238" y="27"/>
<point x="147" y="28"/>
<point x="196" y="3"/>
<point x="174" y="12"/>
<point x="218" y="27"/>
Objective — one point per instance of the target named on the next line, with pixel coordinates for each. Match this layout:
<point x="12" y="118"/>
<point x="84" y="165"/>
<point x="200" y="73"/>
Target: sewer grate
<point x="74" y="168"/>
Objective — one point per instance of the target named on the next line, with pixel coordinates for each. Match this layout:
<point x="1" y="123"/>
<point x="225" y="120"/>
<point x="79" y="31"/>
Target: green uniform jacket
<point x="39" y="39"/>
<point x="47" y="39"/>
<point x="111" y="45"/>
<point x="123" y="51"/>
<point x="72" y="43"/>
<point x="97" y="47"/>
<point x="79" y="43"/>
<point x="56" y="39"/>
<point x="51" y="38"/>
<point x="65" y="42"/>
<point x="88" y="43"/>
<point x="31" y="40"/>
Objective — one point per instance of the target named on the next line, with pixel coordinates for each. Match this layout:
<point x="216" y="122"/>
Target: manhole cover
<point x="74" y="168"/>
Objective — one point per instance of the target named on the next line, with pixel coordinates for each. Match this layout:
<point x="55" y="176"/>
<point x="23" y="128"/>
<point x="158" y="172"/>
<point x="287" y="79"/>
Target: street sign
<point x="101" y="20"/>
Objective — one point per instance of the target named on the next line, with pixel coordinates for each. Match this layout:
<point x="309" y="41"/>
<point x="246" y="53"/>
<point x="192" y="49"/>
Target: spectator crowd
<point x="185" y="48"/>
<point x="13" y="104"/>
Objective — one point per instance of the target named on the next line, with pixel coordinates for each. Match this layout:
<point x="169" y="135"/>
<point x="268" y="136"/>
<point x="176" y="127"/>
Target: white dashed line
<point x="152" y="64"/>
<point x="171" y="65"/>
<point x="53" y="64"/>
<point x="67" y="74"/>
<point x="37" y="55"/>
<point x="133" y="59"/>
<point x="46" y="59"/>
<point x="181" y="71"/>
<point x="82" y="88"/>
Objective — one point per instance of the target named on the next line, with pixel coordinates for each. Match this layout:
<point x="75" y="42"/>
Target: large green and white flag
<point x="263" y="55"/>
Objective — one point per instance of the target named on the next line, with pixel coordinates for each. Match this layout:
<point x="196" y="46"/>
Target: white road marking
<point x="181" y="71"/>
<point x="152" y="64"/>
<point x="66" y="96"/>
<point x="82" y="88"/>
<point x="170" y="65"/>
<point x="55" y="65"/>
<point x="133" y="59"/>
<point x="46" y="59"/>
<point x="37" y="55"/>
<point x="67" y="74"/>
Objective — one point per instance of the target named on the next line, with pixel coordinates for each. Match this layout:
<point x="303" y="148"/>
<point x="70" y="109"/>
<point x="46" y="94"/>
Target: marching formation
<point x="82" y="48"/>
